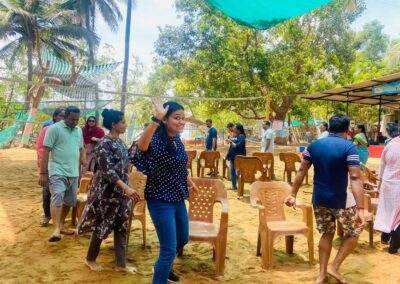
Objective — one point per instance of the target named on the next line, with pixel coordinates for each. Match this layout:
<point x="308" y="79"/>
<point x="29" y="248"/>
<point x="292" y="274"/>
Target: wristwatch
<point x="156" y="120"/>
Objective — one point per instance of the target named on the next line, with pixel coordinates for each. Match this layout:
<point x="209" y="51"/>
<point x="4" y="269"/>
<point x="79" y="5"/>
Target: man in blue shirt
<point x="334" y="160"/>
<point x="211" y="140"/>
<point x="212" y="135"/>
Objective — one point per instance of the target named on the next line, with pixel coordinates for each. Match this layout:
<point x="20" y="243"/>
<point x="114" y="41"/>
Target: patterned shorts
<point x="326" y="220"/>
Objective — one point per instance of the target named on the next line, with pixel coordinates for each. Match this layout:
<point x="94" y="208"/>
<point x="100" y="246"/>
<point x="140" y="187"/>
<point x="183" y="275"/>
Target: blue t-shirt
<point x="212" y="134"/>
<point x="238" y="149"/>
<point x="331" y="157"/>
<point x="165" y="166"/>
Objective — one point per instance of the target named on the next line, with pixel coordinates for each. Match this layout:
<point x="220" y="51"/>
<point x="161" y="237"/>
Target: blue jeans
<point x="233" y="175"/>
<point x="172" y="225"/>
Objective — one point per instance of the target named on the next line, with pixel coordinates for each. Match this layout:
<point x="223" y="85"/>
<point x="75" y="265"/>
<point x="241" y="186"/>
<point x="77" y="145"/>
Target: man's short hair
<point x="71" y="109"/>
<point x="267" y="122"/>
<point x="209" y="120"/>
<point x="339" y="123"/>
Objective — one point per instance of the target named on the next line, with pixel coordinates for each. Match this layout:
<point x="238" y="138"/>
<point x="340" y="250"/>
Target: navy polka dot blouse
<point x="165" y="166"/>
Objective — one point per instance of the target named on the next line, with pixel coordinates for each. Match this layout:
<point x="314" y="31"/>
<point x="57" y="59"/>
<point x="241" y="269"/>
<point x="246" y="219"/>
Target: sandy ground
<point x="27" y="257"/>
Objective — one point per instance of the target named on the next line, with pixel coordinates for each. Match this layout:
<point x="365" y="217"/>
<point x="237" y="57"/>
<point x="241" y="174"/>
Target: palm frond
<point x="10" y="48"/>
<point x="110" y="16"/>
<point x="69" y="46"/>
<point x="74" y="32"/>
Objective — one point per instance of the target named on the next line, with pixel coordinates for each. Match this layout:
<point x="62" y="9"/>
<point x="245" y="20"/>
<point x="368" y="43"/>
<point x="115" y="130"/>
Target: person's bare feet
<point x="335" y="274"/>
<point x="321" y="279"/>
<point x="93" y="265"/>
<point x="126" y="269"/>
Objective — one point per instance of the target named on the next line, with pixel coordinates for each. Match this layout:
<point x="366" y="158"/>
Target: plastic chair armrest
<point x="224" y="204"/>
<point x="307" y="213"/>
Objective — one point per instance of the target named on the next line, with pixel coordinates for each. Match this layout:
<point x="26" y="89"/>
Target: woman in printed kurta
<point x="110" y="199"/>
<point x="388" y="214"/>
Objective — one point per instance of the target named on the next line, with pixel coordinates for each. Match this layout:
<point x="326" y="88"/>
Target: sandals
<point x="54" y="238"/>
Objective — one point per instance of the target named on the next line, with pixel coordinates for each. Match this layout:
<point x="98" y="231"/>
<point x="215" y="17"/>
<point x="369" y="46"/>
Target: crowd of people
<point x="65" y="151"/>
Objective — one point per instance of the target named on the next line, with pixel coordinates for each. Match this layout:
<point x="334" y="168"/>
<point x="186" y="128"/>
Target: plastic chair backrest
<point x="137" y="180"/>
<point x="370" y="176"/>
<point x="290" y="160"/>
<point x="209" y="158"/>
<point x="201" y="205"/>
<point x="248" y="167"/>
<point x="266" y="158"/>
<point x="271" y="195"/>
<point x="84" y="184"/>
<point x="191" y="156"/>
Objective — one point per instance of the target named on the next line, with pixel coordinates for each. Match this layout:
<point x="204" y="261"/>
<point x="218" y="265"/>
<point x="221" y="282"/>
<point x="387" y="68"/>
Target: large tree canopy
<point x="210" y="55"/>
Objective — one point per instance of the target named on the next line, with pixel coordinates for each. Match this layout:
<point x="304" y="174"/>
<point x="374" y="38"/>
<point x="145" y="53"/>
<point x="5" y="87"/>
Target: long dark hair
<point x="162" y="130"/>
<point x="240" y="128"/>
<point x="362" y="128"/>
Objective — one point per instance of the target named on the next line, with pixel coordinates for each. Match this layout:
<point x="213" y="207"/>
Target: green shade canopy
<point x="263" y="14"/>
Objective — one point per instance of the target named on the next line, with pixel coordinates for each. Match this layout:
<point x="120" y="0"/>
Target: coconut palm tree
<point x="85" y="11"/>
<point x="30" y="25"/>
<point x="129" y="8"/>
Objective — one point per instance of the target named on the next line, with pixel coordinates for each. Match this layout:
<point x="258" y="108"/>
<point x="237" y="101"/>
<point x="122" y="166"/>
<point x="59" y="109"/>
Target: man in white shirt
<point x="323" y="127"/>
<point x="267" y="138"/>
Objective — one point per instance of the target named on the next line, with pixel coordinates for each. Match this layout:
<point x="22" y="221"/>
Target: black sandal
<point x="55" y="239"/>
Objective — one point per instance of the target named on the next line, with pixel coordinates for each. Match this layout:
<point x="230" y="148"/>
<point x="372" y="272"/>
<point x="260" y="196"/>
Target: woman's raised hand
<point x="159" y="110"/>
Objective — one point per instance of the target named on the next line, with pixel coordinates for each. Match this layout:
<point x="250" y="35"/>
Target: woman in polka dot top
<point x="161" y="156"/>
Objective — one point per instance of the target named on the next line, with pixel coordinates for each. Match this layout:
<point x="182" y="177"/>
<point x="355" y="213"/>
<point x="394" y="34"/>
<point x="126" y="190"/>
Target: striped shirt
<point x="331" y="157"/>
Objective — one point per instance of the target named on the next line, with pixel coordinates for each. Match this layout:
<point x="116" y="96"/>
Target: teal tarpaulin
<point x="263" y="14"/>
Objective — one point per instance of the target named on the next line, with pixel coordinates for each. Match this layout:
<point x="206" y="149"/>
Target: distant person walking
<point x="268" y="138"/>
<point x="334" y="159"/>
<point x="323" y="128"/>
<point x="361" y="140"/>
<point x="110" y="201"/>
<point x="62" y="156"/>
<point x="212" y="136"/>
<point x="387" y="218"/>
<point x="237" y="147"/>
<point x="92" y="134"/>
<point x="58" y="115"/>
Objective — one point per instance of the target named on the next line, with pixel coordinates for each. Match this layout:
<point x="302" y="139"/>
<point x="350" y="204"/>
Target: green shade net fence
<point x="8" y="134"/>
<point x="263" y="14"/>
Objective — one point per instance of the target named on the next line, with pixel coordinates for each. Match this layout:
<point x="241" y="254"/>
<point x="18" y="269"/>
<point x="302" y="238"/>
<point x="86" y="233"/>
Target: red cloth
<point x="90" y="132"/>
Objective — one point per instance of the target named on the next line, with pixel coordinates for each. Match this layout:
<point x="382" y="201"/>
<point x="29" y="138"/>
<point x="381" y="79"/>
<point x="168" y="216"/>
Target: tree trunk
<point x="30" y="73"/>
<point x="126" y="58"/>
<point x="34" y="106"/>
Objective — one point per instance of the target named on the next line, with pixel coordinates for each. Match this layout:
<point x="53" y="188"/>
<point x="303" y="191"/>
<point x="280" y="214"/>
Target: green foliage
<point x="211" y="56"/>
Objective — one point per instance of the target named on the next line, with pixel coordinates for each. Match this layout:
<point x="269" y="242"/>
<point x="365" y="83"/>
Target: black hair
<point x="362" y="128"/>
<point x="111" y="116"/>
<point x="325" y="124"/>
<point x="91" y="116"/>
<point x="56" y="112"/>
<point x="339" y="123"/>
<point x="240" y="128"/>
<point x="209" y="120"/>
<point x="267" y="122"/>
<point x="172" y="107"/>
<point x="71" y="109"/>
<point x="230" y="125"/>
<point x="162" y="129"/>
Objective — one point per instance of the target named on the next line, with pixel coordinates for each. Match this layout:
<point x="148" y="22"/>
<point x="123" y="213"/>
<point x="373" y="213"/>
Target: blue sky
<point x="149" y="15"/>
